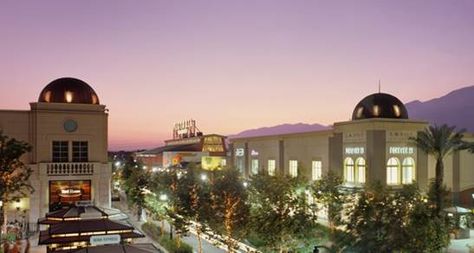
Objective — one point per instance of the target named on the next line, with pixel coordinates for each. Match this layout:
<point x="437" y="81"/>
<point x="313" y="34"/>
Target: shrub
<point x="154" y="232"/>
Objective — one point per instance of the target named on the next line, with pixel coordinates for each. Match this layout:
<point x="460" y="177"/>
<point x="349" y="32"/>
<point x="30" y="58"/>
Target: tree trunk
<point x="198" y="232"/>
<point x="439" y="185"/>
<point x="162" y="227"/>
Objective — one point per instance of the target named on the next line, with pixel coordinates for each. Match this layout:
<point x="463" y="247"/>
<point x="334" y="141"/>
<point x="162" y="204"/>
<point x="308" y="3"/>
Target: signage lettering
<point x="354" y="150"/>
<point x="104" y="239"/>
<point x="239" y="152"/>
<point x="401" y="150"/>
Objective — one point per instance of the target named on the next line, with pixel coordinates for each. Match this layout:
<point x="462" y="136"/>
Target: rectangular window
<point x="271" y="167"/>
<point x="240" y="164"/>
<point x="293" y="168"/>
<point x="361" y="174"/>
<point x="317" y="170"/>
<point x="407" y="175"/>
<point x="60" y="151"/>
<point x="392" y="176"/>
<point x="254" y="166"/>
<point x="80" y="151"/>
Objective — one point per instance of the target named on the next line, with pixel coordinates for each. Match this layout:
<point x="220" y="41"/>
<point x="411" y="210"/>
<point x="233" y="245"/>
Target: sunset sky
<point x="233" y="65"/>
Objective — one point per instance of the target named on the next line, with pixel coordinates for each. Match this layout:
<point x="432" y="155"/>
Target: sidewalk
<point x="459" y="246"/>
<point x="191" y="239"/>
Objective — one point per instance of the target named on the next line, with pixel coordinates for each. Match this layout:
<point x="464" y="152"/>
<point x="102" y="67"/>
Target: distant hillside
<point x="280" y="129"/>
<point x="455" y="109"/>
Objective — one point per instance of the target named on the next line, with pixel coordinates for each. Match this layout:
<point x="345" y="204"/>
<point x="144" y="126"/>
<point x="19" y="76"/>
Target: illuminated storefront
<point x="376" y="145"/>
<point x="66" y="193"/>
<point x="188" y="145"/>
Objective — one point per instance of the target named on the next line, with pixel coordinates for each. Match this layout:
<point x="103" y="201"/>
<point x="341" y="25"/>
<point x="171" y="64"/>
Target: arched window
<point x="349" y="170"/>
<point x="360" y="168"/>
<point x="408" y="170"/>
<point x="393" y="171"/>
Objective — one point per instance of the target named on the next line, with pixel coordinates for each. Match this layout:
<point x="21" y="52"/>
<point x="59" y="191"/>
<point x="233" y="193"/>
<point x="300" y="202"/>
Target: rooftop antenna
<point x="379" y="85"/>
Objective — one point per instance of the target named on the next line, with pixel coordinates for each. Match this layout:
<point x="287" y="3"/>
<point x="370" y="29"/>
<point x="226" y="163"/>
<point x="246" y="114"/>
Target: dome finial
<point x="379" y="86"/>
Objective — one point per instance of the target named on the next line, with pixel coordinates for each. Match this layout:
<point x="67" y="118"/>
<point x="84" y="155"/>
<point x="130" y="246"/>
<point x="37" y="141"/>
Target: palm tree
<point x="440" y="141"/>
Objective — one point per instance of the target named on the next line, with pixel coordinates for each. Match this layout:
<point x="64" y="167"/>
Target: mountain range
<point x="455" y="109"/>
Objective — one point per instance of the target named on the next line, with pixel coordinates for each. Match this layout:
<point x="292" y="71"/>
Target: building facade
<point x="67" y="128"/>
<point x="187" y="146"/>
<point x="376" y="145"/>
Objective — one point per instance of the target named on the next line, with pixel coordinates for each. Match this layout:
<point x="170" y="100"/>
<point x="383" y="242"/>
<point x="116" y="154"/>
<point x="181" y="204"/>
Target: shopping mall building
<point x="188" y="146"/>
<point x="375" y="145"/>
<point x="67" y="128"/>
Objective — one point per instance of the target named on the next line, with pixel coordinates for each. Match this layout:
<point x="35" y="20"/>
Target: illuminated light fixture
<point x="396" y="109"/>
<point x="47" y="96"/>
<point x="68" y="96"/>
<point x="360" y="110"/>
<point x="94" y="99"/>
<point x="163" y="197"/>
<point x="203" y="177"/>
<point x="376" y="110"/>
<point x="245" y="184"/>
<point x="117" y="164"/>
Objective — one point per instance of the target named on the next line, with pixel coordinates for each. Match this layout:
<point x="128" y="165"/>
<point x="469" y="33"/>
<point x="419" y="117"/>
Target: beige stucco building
<point x="67" y="129"/>
<point x="375" y="145"/>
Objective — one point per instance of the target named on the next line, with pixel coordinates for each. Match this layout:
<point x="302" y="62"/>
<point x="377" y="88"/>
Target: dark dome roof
<point x="380" y="105"/>
<point x="68" y="90"/>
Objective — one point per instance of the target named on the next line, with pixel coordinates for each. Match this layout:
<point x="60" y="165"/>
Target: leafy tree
<point x="327" y="192"/>
<point x="14" y="175"/>
<point x="439" y="141"/>
<point x="280" y="215"/>
<point x="230" y="206"/>
<point x="386" y="220"/>
<point x="193" y="203"/>
<point x="136" y="181"/>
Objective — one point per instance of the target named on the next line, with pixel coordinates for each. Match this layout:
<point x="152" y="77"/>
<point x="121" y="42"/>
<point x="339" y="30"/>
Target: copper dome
<point x="68" y="90"/>
<point x="380" y="105"/>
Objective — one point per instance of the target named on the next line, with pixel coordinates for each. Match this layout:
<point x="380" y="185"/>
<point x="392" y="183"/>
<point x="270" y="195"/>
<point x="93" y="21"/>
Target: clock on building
<point x="70" y="125"/>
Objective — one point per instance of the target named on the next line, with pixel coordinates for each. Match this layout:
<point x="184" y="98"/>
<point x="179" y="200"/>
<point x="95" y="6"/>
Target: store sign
<point x="401" y="150"/>
<point x="254" y="153"/>
<point x="104" y="239"/>
<point x="239" y="152"/>
<point x="354" y="150"/>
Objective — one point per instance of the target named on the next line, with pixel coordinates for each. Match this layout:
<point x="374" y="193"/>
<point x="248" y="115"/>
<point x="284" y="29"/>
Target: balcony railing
<point x="66" y="169"/>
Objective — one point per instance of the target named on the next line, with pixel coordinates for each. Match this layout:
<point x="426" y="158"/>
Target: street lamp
<point x="163" y="197"/>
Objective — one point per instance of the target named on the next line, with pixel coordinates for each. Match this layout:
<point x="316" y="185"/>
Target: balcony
<point x="68" y="169"/>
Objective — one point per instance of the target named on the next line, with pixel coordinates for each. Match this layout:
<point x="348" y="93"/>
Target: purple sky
<point x="233" y="65"/>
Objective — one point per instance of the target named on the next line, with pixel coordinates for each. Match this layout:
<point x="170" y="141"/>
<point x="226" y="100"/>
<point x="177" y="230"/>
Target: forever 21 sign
<point x="104" y="239"/>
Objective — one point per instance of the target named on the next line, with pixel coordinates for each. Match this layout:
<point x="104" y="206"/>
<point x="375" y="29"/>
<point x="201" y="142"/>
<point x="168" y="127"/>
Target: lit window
<point x="317" y="170"/>
<point x="360" y="110"/>
<point x="393" y="171"/>
<point x="68" y="96"/>
<point x="408" y="167"/>
<point x="254" y="166"/>
<point x="60" y="151"/>
<point x="223" y="162"/>
<point x="349" y="170"/>
<point x="376" y="110"/>
<point x="271" y="167"/>
<point x="293" y="168"/>
<point x="396" y="110"/>
<point x="360" y="168"/>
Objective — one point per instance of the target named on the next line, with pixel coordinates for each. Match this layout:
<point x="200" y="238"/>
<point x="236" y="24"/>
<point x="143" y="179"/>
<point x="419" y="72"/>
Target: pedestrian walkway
<point x="190" y="239"/>
<point x="460" y="246"/>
